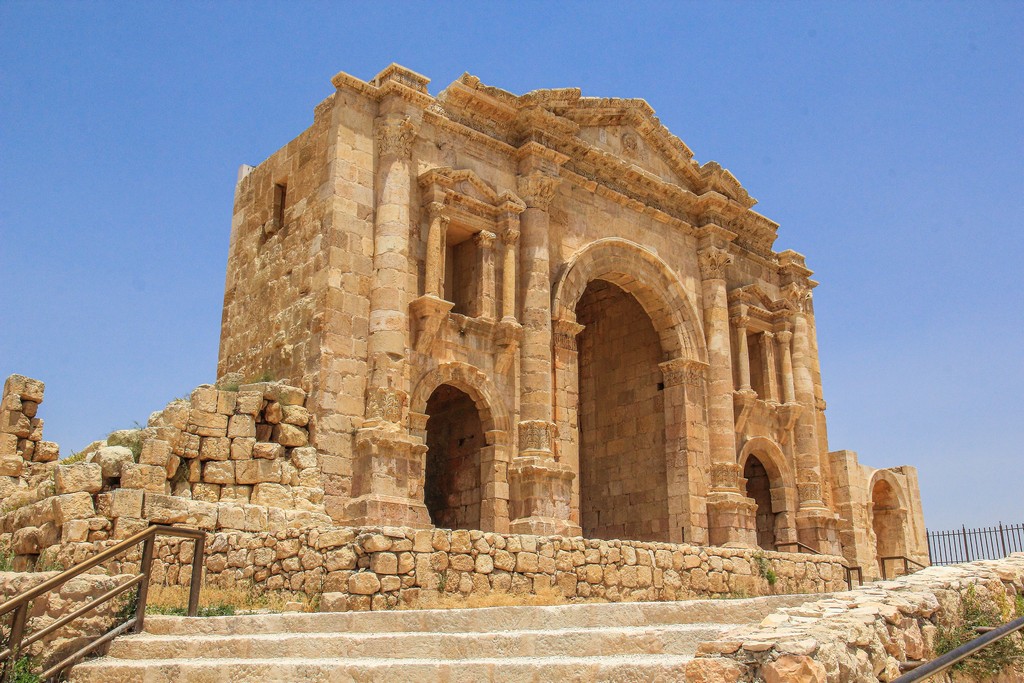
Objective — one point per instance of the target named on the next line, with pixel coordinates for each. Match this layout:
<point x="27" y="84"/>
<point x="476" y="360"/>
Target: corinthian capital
<point x="713" y="262"/>
<point x="797" y="294"/>
<point x="538" y="189"/>
<point x="395" y="136"/>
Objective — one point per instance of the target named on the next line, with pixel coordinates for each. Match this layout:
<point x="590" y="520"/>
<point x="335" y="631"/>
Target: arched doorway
<point x="452" y="488"/>
<point x="623" y="483"/>
<point x="887" y="518"/>
<point x="759" y="489"/>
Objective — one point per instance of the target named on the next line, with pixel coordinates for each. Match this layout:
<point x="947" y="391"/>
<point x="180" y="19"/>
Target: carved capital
<point x="797" y="295"/>
<point x="536" y="435"/>
<point x="683" y="371"/>
<point x="511" y="235"/>
<point x="384" y="404"/>
<point x="741" y="322"/>
<point x="725" y="476"/>
<point x="395" y="137"/>
<point x="435" y="210"/>
<point x="565" y="333"/>
<point x="484" y="239"/>
<point x="768" y="336"/>
<point x="785" y="336"/>
<point x="713" y="262"/>
<point x="538" y="189"/>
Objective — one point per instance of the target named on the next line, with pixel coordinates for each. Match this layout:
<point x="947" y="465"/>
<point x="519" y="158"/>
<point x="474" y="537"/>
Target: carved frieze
<point x="384" y="404"/>
<point x="536" y="435"/>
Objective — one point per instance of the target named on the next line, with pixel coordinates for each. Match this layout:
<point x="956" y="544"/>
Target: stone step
<point x="587" y="642"/>
<point x="632" y="668"/>
<point x="486" y="619"/>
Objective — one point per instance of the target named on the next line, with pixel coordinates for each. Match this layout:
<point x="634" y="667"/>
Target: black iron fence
<point x="966" y="545"/>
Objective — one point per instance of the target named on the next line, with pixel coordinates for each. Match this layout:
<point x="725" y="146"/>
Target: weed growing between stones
<point x="22" y="672"/>
<point x="765" y="569"/>
<point x="6" y="559"/>
<point x="974" y="612"/>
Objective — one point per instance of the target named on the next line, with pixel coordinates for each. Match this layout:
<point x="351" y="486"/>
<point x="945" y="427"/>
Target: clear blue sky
<point x="886" y="138"/>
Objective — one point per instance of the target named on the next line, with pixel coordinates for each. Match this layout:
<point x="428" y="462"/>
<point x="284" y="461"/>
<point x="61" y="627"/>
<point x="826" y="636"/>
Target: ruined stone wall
<point x="862" y="635"/>
<point x="234" y="458"/>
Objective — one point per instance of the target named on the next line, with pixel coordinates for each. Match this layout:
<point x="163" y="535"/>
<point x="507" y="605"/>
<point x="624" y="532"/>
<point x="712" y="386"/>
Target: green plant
<point x="219" y="610"/>
<point x="129" y="438"/>
<point x="21" y="672"/>
<point x="975" y="612"/>
<point x="235" y="382"/>
<point x="764" y="568"/>
<point x="78" y="456"/>
<point x="6" y="559"/>
<point x="48" y="563"/>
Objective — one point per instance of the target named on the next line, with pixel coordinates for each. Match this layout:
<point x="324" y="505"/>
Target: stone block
<point x="241" y="426"/>
<point x="26" y="388"/>
<point x="242" y="447"/>
<point x="46" y="451"/>
<point x="72" y="506"/>
<point x="204" y="398"/>
<point x="304" y="458"/>
<point x="226" y="402"/>
<point x="111" y="459"/>
<point x="155" y="452"/>
<point x="215" y="448"/>
<point x="268" y="451"/>
<point x="120" y="503"/>
<point x="248" y="402"/>
<point x="363" y="583"/>
<point x="272" y="413"/>
<point x="206" y="492"/>
<point x="151" y="478"/>
<point x="290" y="435"/>
<point x="272" y="495"/>
<point x="207" y="424"/>
<point x="15" y="422"/>
<point x="215" y="472"/>
<point x="237" y="493"/>
<point x="257" y="471"/>
<point x="79" y="476"/>
<point x="128" y="526"/>
<point x="75" y="531"/>
<point x="334" y="602"/>
<point x="161" y="509"/>
<point x="11" y="465"/>
<point x="295" y="415"/>
<point x="8" y="444"/>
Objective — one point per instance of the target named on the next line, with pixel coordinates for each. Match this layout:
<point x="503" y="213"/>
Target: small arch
<point x="888" y="519"/>
<point x="767" y="476"/>
<point x="452" y="482"/>
<point x="474" y="383"/>
<point x="643" y="274"/>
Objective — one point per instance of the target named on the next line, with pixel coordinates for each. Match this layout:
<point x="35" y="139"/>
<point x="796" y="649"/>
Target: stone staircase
<point x="590" y="642"/>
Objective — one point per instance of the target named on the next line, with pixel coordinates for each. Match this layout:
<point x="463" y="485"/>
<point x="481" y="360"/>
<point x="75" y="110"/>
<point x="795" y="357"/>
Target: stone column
<point x="509" y="237"/>
<point x="566" y="403"/>
<point x="728" y="508"/>
<point x="387" y="483"/>
<point x="742" y="352"/>
<point x="434" y="276"/>
<point x="788" y="393"/>
<point x="816" y="524"/>
<point x="770" y="376"/>
<point x="685" y="447"/>
<point x="485" y="251"/>
<point x="540" y="485"/>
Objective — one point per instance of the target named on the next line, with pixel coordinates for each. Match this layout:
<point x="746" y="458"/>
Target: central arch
<point x="627" y="339"/>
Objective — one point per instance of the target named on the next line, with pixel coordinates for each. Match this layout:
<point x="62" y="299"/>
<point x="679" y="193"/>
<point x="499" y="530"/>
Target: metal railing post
<point x="1002" y="537"/>
<point x="198" y="560"/>
<point x="967" y="551"/>
<point x="143" y="594"/>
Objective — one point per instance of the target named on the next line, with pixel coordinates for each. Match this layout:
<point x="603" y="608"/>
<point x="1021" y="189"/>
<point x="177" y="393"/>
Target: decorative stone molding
<point x="713" y="262"/>
<point x="565" y="333"/>
<point x="797" y="294"/>
<point x="788" y="414"/>
<point x="395" y="136"/>
<point x="484" y="239"/>
<point x="538" y="189"/>
<point x="685" y="371"/>
<point x="725" y="476"/>
<point x="507" y="335"/>
<point x="429" y="312"/>
<point x="745" y="400"/>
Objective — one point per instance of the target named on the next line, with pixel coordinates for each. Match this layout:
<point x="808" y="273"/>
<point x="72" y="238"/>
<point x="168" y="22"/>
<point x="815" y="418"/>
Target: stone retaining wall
<point x="860" y="635"/>
<point x="51" y="606"/>
<point x="385" y="568"/>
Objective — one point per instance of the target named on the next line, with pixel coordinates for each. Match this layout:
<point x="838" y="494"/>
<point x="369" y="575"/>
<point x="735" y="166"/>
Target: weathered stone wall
<point x="51" y="606"/>
<point x="861" y="635"/>
<point x="390" y="567"/>
<point x="223" y="459"/>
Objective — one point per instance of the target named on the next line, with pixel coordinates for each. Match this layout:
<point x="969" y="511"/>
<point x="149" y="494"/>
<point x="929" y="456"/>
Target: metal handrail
<point x="19" y="605"/>
<point x="963" y="652"/>
<point x="846" y="568"/>
<point x="906" y="564"/>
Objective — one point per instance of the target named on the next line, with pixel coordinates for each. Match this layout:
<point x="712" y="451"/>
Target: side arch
<point x="890" y="479"/>
<point x="650" y="280"/>
<point x="770" y="455"/>
<point x="475" y="383"/>
<point x="782" y="486"/>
